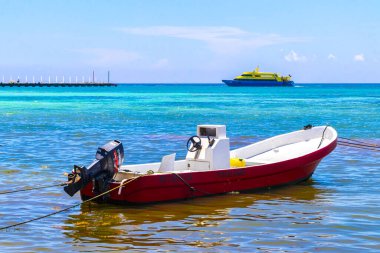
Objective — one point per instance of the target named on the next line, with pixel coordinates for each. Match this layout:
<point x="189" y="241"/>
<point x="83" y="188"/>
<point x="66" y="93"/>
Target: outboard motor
<point x="108" y="160"/>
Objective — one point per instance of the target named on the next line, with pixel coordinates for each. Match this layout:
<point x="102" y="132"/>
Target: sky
<point x="189" y="41"/>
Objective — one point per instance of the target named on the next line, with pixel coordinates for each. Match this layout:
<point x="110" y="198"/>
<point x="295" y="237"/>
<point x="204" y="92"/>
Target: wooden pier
<point x="39" y="84"/>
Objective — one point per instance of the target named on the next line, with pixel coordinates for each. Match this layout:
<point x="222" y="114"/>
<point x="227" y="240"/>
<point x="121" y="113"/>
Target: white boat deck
<point x="272" y="150"/>
<point x="285" y="152"/>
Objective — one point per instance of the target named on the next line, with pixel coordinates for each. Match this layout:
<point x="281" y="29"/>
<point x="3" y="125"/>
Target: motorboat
<point x="210" y="167"/>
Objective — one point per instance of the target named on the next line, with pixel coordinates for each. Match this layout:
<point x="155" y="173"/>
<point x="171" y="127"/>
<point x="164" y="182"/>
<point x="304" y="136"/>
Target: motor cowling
<point x="108" y="160"/>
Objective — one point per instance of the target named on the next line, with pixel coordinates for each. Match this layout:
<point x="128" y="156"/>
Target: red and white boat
<point x="210" y="167"/>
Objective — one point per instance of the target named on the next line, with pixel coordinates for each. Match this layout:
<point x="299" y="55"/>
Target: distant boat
<point x="257" y="78"/>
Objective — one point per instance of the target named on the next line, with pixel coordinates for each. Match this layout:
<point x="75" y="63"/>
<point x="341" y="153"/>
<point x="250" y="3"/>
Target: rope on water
<point x="360" y="142"/>
<point x="33" y="188"/>
<point x="68" y="208"/>
<point x="359" y="147"/>
<point x="346" y="142"/>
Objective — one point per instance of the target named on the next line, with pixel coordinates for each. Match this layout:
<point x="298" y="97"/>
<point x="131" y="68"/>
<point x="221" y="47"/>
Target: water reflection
<point x="203" y="222"/>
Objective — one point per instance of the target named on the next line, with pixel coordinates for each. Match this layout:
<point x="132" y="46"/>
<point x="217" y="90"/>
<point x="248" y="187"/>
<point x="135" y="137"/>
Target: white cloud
<point x="294" y="57"/>
<point x="359" y="57"/>
<point x="161" y="63"/>
<point x="107" y="56"/>
<point x="331" y="57"/>
<point x="195" y="33"/>
<point x="223" y="39"/>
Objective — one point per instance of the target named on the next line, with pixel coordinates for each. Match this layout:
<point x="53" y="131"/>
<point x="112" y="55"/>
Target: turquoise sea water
<point x="44" y="131"/>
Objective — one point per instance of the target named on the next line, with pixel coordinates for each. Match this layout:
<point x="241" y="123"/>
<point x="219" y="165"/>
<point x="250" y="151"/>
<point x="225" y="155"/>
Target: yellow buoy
<point x="237" y="162"/>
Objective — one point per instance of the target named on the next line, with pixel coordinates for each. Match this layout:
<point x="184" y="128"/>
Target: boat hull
<point x="257" y="83"/>
<point x="184" y="185"/>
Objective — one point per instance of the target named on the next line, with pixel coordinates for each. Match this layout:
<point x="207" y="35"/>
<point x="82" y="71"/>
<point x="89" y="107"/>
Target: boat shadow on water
<point x="140" y="225"/>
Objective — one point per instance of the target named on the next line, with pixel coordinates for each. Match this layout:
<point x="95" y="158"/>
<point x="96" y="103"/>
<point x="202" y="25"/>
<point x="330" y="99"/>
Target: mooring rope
<point x="346" y="142"/>
<point x="192" y="188"/>
<point x="70" y="207"/>
<point x="360" y="142"/>
<point x="323" y="136"/>
<point x="33" y="188"/>
<point x="359" y="147"/>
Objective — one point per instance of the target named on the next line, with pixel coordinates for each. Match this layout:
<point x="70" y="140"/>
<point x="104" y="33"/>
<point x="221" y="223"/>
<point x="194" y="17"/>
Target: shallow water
<point x="44" y="131"/>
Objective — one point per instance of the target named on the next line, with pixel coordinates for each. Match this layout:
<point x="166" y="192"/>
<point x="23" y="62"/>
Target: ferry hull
<point x="257" y="83"/>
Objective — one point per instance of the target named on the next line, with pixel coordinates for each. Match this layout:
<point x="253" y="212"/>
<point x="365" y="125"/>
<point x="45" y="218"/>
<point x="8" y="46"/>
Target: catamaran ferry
<point x="257" y="78"/>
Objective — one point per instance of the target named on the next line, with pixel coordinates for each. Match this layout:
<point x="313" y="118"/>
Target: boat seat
<point x="167" y="163"/>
